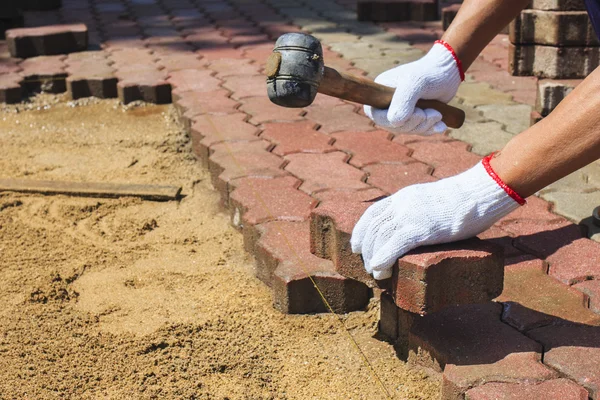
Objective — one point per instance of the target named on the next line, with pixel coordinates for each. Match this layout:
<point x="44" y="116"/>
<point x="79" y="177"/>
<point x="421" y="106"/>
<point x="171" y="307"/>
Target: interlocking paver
<point x="555" y="389"/>
<point x="371" y="147"/>
<point x="284" y="261"/>
<point x="514" y="117"/>
<point x="448" y="158"/>
<point x="338" y="118"/>
<point x="44" y="73"/>
<point x="10" y="88"/>
<point x="198" y="80"/>
<point x="193" y="103"/>
<point x="246" y="86"/>
<point x="592" y="290"/>
<point x="574" y="351"/>
<point x="297" y="137"/>
<point x="393" y="177"/>
<point x="485" y="137"/>
<point x="479" y="93"/>
<point x="47" y="40"/>
<point x="262" y="110"/>
<point x="177" y="62"/>
<point x="325" y="171"/>
<point x="574" y="205"/>
<point x="235" y="66"/>
<point x="93" y="80"/>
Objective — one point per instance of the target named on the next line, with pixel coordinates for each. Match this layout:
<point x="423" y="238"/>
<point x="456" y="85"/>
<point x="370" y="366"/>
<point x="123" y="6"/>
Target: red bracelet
<point x="507" y="189"/>
<point x="458" y="63"/>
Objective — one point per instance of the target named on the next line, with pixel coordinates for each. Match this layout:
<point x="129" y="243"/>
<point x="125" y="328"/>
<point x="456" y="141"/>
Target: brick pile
<point x="555" y="41"/>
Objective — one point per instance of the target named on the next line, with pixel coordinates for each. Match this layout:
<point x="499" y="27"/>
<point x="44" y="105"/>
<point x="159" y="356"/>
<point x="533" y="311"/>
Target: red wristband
<point x="458" y="63"/>
<point x="515" y="196"/>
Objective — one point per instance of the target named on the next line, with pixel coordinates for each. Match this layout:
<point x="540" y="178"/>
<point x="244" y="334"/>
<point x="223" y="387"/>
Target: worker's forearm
<point x="476" y="24"/>
<point x="563" y="142"/>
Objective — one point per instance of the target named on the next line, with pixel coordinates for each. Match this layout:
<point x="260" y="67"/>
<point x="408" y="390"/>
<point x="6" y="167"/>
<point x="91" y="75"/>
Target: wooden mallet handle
<point x="365" y="91"/>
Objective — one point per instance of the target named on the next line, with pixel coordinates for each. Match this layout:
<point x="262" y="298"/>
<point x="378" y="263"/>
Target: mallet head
<point x="294" y="70"/>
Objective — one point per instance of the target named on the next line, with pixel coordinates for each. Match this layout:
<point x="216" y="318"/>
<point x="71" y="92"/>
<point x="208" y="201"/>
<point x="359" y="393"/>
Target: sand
<point x="131" y="299"/>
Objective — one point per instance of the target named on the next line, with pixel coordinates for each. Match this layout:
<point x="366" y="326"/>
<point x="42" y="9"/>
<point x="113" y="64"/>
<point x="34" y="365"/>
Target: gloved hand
<point x="448" y="210"/>
<point x="436" y="76"/>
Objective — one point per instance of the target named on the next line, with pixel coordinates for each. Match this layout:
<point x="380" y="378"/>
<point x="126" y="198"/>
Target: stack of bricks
<point x="555" y="41"/>
<point x="397" y="10"/>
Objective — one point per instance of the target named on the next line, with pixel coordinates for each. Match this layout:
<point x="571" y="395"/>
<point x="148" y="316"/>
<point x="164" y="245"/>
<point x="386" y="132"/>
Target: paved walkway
<point x="329" y="156"/>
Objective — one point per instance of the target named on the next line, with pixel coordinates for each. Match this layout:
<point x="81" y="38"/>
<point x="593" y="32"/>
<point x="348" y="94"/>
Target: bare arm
<point x="476" y="24"/>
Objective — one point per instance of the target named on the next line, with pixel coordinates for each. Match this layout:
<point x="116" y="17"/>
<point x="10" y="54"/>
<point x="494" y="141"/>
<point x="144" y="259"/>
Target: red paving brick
<point x="262" y="110"/>
<point x="172" y="63"/>
<point x="574" y="351"/>
<point x="371" y="148"/>
<point x="431" y="278"/>
<point x="10" y="88"/>
<point x="193" y="80"/>
<point x="47" y="40"/>
<point x="97" y="81"/>
<point x="592" y="290"/>
<point x="44" y="73"/>
<point x="473" y="346"/>
<point x="338" y="118"/>
<point x="447" y="158"/>
<point x="284" y="261"/>
<point x="533" y="299"/>
<point x="393" y="177"/>
<point x="297" y="137"/>
<point x="192" y="104"/>
<point x="246" y="86"/>
<point x="146" y="86"/>
<point x="556" y="389"/>
<point x="325" y="171"/>
<point x="234" y="66"/>
<point x="535" y="209"/>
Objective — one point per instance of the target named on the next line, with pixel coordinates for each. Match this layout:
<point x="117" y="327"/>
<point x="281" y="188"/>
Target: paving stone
<point x="193" y="103"/>
<point x="209" y="129"/>
<point x="535" y="209"/>
<point x="556" y="389"/>
<point x="297" y="137"/>
<point x="234" y="160"/>
<point x="480" y="93"/>
<point x="532" y="299"/>
<point x="10" y="88"/>
<point x="325" y="171"/>
<point x="574" y="351"/>
<point x="44" y="74"/>
<point x="262" y="110"/>
<point x="234" y="66"/>
<point x="553" y="62"/>
<point x="257" y="200"/>
<point x="371" y="148"/>
<point x="576" y="262"/>
<point x="193" y="80"/>
<point x="392" y="177"/>
<point x="338" y="118"/>
<point x="448" y="15"/>
<point x="246" y="86"/>
<point x="503" y="239"/>
<point x="97" y="81"/>
<point x="284" y="261"/>
<point x="591" y="290"/>
<point x="146" y="86"/>
<point x="485" y="137"/>
<point x="178" y="62"/>
<point x="375" y="66"/>
<point x="447" y="158"/>
<point x="397" y="10"/>
<point x="431" y="278"/>
<point x="515" y="117"/>
<point x="472" y="346"/>
<point x="574" y="205"/>
<point x="553" y="28"/>
<point x="331" y="228"/>
<point x="558" y="5"/>
<point x="551" y="92"/>
<point x="128" y="57"/>
<point x="351" y="50"/>
<point x="47" y="40"/>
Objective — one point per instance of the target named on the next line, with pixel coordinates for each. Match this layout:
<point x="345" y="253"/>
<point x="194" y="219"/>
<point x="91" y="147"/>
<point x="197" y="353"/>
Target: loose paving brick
<point x="297" y="137"/>
<point x="146" y="86"/>
<point x="431" y="278"/>
<point x="472" y="346"/>
<point x="97" y="81"/>
<point x="448" y="158"/>
<point x="556" y="389"/>
<point x="338" y="118"/>
<point x="47" y="40"/>
<point x="397" y="10"/>
<point x="325" y="171"/>
<point x="574" y="351"/>
<point x="284" y="261"/>
<point x="553" y="62"/>
<point x="371" y="147"/>
<point x="44" y="74"/>
<point x="533" y="299"/>
<point x="10" y="88"/>
<point x="262" y="110"/>
<point x="392" y="177"/>
<point x="209" y="129"/>
<point x="551" y="92"/>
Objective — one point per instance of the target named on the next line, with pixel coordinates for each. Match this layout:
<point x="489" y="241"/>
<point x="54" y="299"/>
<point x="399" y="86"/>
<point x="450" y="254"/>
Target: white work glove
<point x="436" y="76"/>
<point x="448" y="210"/>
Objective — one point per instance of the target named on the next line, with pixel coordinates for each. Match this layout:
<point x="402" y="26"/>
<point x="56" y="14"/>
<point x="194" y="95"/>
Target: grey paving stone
<point x="335" y="37"/>
<point x="352" y="50"/>
<point x="320" y="26"/>
<point x="575" y="182"/>
<point x="485" y="137"/>
<point x="575" y="206"/>
<point x="516" y="117"/>
<point x="471" y="113"/>
<point x="374" y="66"/>
<point x="592" y="173"/>
<point x="479" y="93"/>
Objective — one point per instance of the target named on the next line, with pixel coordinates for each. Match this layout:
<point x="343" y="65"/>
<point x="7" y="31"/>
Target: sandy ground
<point x="128" y="299"/>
